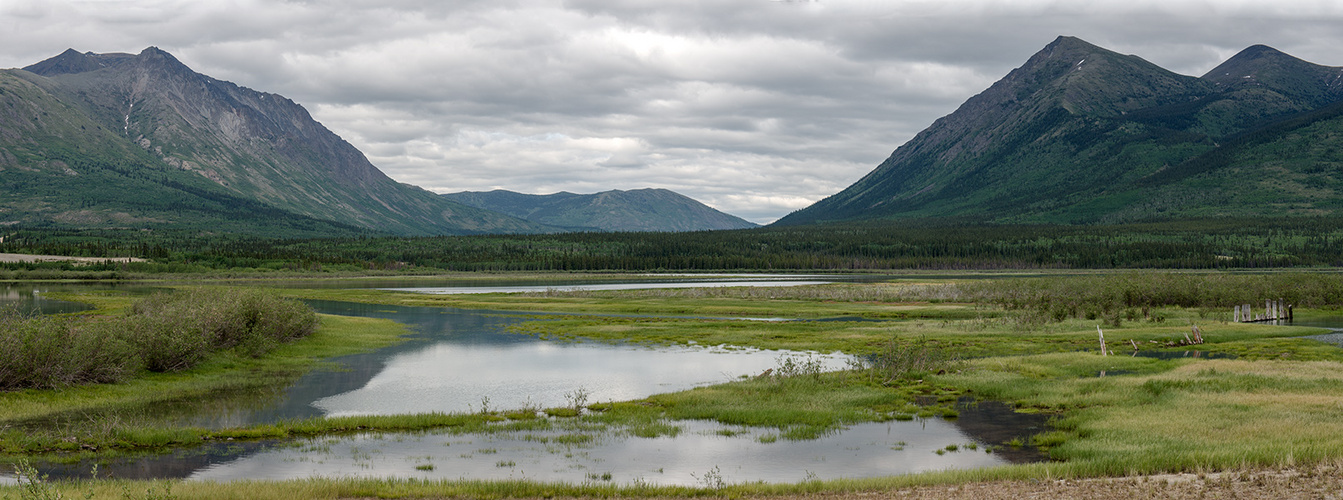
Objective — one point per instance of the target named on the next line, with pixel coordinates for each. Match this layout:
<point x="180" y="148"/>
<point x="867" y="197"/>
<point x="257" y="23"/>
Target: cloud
<point x="755" y="107"/>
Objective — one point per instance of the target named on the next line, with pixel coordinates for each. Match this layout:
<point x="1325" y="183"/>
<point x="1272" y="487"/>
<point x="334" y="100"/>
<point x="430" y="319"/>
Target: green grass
<point x="121" y="415"/>
<point x="1175" y="415"/>
<point x="1275" y="405"/>
<point x="667" y="303"/>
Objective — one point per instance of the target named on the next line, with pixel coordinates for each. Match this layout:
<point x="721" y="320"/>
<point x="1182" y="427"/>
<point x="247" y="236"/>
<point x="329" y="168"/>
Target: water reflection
<point x="457" y="361"/>
<point x="457" y="358"/>
<point x="28" y="299"/>
<point x="733" y="453"/>
<point x="458" y="290"/>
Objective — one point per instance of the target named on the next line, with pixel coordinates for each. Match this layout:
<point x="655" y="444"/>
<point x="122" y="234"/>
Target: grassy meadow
<point x="1267" y="400"/>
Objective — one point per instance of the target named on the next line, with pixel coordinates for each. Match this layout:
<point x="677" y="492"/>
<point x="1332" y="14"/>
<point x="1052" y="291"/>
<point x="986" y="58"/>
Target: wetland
<point x="675" y="387"/>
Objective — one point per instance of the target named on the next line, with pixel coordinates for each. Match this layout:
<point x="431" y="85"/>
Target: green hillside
<point x="94" y="140"/>
<point x="615" y="210"/>
<point x="60" y="169"/>
<point x="1080" y="134"/>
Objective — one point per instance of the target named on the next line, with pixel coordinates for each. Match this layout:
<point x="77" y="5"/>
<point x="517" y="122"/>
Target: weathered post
<point x="1235" y="314"/>
<point x="1102" y="335"/>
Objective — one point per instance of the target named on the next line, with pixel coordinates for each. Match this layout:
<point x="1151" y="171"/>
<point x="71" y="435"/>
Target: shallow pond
<point x="461" y="360"/>
<point x="701" y="454"/>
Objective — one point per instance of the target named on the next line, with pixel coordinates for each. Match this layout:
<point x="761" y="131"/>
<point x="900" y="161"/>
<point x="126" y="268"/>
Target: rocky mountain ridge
<point x="250" y="146"/>
<point x="1081" y="134"/>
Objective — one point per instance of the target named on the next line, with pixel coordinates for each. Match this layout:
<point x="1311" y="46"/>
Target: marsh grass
<point x="799" y="402"/>
<point x="910" y="360"/>
<point x="1160" y="416"/>
<point x="1175" y="415"/>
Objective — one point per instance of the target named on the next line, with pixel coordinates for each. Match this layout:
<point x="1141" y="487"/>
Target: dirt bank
<point x="19" y="257"/>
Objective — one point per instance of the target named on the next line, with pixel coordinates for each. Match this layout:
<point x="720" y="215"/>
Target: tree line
<point x="869" y="246"/>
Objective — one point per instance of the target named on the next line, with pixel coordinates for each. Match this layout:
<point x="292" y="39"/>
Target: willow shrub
<point x="163" y="332"/>
<point x="47" y="352"/>
<point x="177" y="330"/>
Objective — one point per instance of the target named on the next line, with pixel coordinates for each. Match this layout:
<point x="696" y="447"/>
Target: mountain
<point x="142" y="140"/>
<point x="615" y="210"/>
<point x="1081" y="134"/>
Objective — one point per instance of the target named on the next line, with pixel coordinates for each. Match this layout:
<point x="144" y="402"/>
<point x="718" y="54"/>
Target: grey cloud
<point x="756" y="107"/>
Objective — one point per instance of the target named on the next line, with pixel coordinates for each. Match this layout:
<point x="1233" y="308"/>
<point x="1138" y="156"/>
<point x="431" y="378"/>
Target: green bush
<point x="178" y="329"/>
<point x="48" y="352"/>
<point x="163" y="332"/>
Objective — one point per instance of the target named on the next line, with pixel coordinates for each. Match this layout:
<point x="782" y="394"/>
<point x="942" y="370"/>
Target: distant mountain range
<point x="634" y="210"/>
<point x="142" y="141"/>
<point x="1076" y="135"/>
<point x="1081" y="134"/>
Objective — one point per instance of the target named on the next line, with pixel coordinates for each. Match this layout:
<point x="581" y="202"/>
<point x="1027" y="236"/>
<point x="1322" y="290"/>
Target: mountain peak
<point x="647" y="209"/>
<point x="72" y="62"/>
<point x="158" y="57"/>
<point x="1083" y="134"/>
<point x="1071" y="43"/>
<point x="1261" y="66"/>
<point x="1247" y="63"/>
<point x="68" y="62"/>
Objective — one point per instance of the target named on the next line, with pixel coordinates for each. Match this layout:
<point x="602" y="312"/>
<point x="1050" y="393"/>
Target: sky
<point x="754" y="107"/>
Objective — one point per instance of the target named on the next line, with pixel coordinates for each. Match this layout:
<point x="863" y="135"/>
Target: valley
<point x="1033" y="293"/>
<point x="921" y="344"/>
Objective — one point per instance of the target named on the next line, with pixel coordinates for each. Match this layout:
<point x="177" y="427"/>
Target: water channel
<point x="27" y="299"/>
<point x="461" y="360"/>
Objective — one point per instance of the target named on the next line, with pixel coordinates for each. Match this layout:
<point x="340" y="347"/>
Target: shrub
<point x="178" y="329"/>
<point x="912" y="359"/>
<point x="163" y="332"/>
<point x="48" y="352"/>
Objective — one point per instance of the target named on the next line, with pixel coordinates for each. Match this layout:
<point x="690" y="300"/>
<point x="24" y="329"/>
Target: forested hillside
<point x="1080" y="135"/>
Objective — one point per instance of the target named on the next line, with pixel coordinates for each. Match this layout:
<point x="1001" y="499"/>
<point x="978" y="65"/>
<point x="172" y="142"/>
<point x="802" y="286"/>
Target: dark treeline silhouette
<point x="885" y="245"/>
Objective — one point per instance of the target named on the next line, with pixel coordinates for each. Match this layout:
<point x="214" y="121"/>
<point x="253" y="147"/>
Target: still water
<point x="458" y="290"/>
<point x="28" y="299"/>
<point x="701" y="453"/>
<point x="461" y="360"/>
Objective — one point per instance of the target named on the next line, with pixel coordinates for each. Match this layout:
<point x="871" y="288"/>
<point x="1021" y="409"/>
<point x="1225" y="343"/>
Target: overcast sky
<point x="754" y="107"/>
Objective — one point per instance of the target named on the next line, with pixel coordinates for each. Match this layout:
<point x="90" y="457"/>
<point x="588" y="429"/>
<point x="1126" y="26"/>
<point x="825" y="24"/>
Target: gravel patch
<point x="1335" y="338"/>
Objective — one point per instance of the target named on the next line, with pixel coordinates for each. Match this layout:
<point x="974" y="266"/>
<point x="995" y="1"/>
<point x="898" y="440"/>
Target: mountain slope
<point x="57" y="168"/>
<point x="615" y="210"/>
<point x="1081" y="134"/>
<point x="250" y="145"/>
